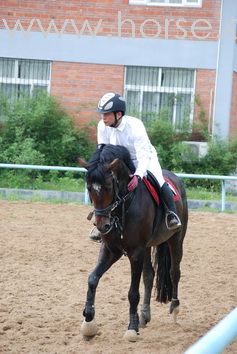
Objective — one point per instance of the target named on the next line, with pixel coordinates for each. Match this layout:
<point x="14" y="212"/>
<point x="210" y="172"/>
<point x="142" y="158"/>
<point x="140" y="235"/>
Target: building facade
<point x="178" y="57"/>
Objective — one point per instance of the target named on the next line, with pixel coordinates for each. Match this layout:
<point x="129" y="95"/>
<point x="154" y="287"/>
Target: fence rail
<point x="223" y="179"/>
<point x="217" y="338"/>
<point x="48" y="168"/>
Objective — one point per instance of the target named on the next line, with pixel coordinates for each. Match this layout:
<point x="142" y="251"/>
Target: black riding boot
<point x="172" y="220"/>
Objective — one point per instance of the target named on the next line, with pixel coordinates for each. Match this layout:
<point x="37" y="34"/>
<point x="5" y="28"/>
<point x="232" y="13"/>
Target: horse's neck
<point x="123" y="177"/>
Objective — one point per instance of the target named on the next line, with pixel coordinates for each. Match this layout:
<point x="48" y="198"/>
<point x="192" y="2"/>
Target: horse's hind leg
<point x="176" y="252"/>
<point x="148" y="277"/>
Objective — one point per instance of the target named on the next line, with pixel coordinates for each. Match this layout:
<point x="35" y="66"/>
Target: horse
<point x="132" y="224"/>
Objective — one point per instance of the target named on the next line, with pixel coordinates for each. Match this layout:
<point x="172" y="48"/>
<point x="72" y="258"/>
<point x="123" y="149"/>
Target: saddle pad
<point x="152" y="190"/>
<point x="154" y="193"/>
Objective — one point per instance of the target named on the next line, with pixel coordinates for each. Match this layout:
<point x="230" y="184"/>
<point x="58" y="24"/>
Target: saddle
<point x="154" y="188"/>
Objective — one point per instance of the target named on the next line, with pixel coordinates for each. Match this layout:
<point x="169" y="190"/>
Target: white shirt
<point x="132" y="134"/>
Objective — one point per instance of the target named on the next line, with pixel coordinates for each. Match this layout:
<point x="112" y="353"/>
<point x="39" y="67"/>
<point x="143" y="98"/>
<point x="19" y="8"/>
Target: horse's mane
<point x="104" y="154"/>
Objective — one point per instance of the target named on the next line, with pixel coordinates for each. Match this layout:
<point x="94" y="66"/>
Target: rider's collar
<point x="122" y="124"/>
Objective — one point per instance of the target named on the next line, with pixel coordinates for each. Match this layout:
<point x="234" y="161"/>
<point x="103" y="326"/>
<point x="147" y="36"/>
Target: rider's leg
<point x="173" y="221"/>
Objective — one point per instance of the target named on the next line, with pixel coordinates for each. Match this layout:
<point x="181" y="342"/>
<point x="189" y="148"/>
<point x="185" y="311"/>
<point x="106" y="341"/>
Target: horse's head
<point x="106" y="183"/>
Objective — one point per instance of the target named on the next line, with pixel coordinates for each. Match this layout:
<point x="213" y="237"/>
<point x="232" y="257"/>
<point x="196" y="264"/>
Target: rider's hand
<point x="133" y="182"/>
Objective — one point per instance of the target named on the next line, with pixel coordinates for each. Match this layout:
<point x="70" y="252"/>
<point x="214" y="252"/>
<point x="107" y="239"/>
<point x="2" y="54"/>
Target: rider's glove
<point x="133" y="182"/>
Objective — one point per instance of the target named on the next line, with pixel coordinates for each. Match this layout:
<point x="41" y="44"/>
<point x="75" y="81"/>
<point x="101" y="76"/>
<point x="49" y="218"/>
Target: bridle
<point x="116" y="221"/>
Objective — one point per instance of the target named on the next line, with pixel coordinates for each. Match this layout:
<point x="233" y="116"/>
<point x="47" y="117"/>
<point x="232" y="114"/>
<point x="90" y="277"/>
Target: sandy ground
<point x="45" y="258"/>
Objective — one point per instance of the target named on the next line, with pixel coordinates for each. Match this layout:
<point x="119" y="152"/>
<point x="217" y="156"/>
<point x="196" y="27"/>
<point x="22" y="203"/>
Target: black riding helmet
<point x="111" y="102"/>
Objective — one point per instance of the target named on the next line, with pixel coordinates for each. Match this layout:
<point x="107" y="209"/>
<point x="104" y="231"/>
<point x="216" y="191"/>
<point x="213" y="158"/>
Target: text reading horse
<point x="133" y="224"/>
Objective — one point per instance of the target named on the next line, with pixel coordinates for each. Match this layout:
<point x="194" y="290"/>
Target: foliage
<point x="167" y="140"/>
<point x="37" y="131"/>
<point x="221" y="158"/>
<point x="200" y="127"/>
<point x="50" y="129"/>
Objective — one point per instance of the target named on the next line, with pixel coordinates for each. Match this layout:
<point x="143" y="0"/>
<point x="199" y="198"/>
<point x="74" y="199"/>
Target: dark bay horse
<point x="133" y="224"/>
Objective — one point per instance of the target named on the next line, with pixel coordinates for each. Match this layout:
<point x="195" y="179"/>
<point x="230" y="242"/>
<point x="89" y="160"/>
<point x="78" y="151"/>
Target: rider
<point x="119" y="129"/>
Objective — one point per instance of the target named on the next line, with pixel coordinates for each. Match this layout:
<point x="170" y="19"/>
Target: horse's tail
<point x="163" y="280"/>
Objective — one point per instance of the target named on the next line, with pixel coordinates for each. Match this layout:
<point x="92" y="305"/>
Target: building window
<point x="189" y="3"/>
<point x="149" y="91"/>
<point x="20" y="77"/>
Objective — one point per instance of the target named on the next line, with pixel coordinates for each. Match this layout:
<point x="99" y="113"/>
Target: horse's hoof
<point x="174" y="309"/>
<point x="175" y="313"/>
<point x="145" y="315"/>
<point x="89" y="329"/>
<point x="131" y="335"/>
<point x="142" y="323"/>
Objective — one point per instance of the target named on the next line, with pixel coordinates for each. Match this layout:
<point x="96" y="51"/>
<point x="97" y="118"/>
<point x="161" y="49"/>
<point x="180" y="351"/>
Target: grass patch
<point x="68" y="183"/>
<point x="203" y="194"/>
<point x="65" y="183"/>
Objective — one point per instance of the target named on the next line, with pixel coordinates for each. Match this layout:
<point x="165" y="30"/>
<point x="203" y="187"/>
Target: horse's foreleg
<point x="136" y="261"/>
<point x="148" y="277"/>
<point x="176" y="252"/>
<point x="105" y="260"/>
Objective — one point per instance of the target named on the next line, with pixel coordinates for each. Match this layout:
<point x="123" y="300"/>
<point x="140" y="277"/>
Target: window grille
<point x="190" y="3"/>
<point x="20" y="77"/>
<point x="152" y="90"/>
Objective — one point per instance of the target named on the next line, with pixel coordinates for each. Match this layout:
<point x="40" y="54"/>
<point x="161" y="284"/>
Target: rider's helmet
<point x="111" y="102"/>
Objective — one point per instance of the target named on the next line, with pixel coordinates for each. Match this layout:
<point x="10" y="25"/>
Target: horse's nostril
<point x="103" y="228"/>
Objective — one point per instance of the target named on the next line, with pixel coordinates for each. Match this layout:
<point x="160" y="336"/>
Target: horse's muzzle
<point x="103" y="224"/>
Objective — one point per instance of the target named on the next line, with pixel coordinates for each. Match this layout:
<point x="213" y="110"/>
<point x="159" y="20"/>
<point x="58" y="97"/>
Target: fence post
<point x="86" y="196"/>
<point x="223" y="195"/>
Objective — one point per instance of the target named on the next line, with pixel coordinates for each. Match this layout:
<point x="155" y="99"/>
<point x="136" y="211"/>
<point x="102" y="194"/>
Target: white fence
<point x="218" y="338"/>
<point x="223" y="179"/>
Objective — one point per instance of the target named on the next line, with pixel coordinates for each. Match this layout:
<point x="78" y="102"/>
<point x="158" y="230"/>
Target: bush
<point x="221" y="158"/>
<point x="167" y="140"/>
<point x="38" y="131"/>
<point x="50" y="130"/>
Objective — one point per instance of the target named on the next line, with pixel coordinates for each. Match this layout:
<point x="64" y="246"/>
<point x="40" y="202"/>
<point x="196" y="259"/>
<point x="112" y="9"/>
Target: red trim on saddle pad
<point x="154" y="193"/>
<point x="152" y="190"/>
<point x="175" y="191"/>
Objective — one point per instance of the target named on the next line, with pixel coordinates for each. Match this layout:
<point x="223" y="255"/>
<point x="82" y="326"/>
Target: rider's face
<point x="109" y="118"/>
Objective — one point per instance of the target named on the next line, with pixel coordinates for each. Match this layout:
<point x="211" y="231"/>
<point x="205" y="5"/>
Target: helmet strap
<point x="116" y="121"/>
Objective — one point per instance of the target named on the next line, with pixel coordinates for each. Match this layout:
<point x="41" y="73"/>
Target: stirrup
<point x="95" y="235"/>
<point x="175" y="226"/>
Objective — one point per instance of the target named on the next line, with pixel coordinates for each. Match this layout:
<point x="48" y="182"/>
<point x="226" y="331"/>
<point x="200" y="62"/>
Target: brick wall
<point x="79" y="86"/>
<point x="205" y="87"/>
<point x="116" y="18"/>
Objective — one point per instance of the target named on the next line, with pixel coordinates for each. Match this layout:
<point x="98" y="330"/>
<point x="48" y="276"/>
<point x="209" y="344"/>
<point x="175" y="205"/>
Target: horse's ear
<point x="82" y="162"/>
<point x="113" y="166"/>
